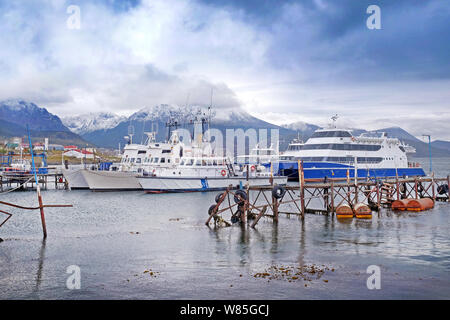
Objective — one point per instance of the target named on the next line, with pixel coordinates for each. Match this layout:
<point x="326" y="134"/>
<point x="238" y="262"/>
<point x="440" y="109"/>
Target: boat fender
<point x="240" y="196"/>
<point x="278" y="192"/>
<point x="442" y="189"/>
<point x="420" y="187"/>
<point x="211" y="209"/>
<point x="403" y="187"/>
<point x="218" y="196"/>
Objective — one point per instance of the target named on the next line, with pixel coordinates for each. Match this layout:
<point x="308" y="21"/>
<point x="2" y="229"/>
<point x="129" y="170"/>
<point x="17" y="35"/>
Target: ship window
<point x="163" y="160"/>
<point x="141" y="151"/>
<point x="214" y="162"/>
<point x="190" y="162"/>
<point x="345" y="146"/>
<point x="138" y="160"/>
<point x="331" y="134"/>
<point x="401" y="148"/>
<point x="132" y="160"/>
<point x="182" y="162"/>
<point x="155" y="160"/>
<point x="166" y="151"/>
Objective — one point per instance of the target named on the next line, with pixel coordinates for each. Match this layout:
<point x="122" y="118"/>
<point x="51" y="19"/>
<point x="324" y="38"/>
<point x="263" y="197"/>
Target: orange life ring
<point x="253" y="168"/>
<point x="223" y="173"/>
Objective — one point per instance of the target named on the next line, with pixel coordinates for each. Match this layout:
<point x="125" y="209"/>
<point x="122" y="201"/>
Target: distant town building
<point x="55" y="147"/>
<point x="38" y="146"/>
<point x="66" y="148"/>
<point x="77" y="153"/>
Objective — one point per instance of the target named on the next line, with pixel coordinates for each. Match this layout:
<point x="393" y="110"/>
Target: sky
<point x="281" y="61"/>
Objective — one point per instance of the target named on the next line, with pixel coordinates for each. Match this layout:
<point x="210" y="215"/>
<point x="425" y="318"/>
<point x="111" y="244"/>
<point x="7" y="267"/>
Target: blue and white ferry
<point x="336" y="153"/>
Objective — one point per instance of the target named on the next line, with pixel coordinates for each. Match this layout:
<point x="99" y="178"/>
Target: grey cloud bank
<point x="282" y="61"/>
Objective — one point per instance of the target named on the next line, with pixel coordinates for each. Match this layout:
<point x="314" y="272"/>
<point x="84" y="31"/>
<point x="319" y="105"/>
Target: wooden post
<point x="38" y="189"/>
<point x="433" y="187"/>
<point x="415" y="188"/>
<point x="302" y="188"/>
<point x="332" y="197"/>
<point x="378" y="197"/>
<point x="448" y="184"/>
<point x="397" y="185"/>
<point x="275" y="209"/>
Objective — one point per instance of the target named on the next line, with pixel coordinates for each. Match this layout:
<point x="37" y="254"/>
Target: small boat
<point x="207" y="174"/>
<point x="22" y="165"/>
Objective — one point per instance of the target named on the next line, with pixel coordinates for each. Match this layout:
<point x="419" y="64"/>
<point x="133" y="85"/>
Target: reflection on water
<point x="41" y="265"/>
<point x="115" y="237"/>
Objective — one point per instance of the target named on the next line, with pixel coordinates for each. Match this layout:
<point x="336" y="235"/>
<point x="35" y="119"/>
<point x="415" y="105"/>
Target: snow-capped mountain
<point x="22" y="112"/>
<point x="90" y="122"/>
<point x="166" y="111"/>
<point x="15" y="115"/>
<point x="301" y="126"/>
<point x="156" y="117"/>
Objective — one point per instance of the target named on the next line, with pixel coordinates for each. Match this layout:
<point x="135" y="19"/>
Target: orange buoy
<point x="344" y="211"/>
<point x="420" y="204"/>
<point x="400" y="204"/>
<point x="362" y="211"/>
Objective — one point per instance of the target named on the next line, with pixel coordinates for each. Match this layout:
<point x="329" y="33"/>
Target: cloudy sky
<point x="282" y="61"/>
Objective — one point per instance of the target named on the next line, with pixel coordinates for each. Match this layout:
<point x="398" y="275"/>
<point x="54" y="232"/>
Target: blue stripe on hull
<point x="320" y="170"/>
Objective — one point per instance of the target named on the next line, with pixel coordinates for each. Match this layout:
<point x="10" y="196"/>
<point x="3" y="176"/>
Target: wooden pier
<point x="10" y="181"/>
<point x="253" y="203"/>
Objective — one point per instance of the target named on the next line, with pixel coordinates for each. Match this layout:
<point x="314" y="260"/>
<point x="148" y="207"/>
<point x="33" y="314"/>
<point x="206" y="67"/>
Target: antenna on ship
<point x="334" y="119"/>
<point x="131" y="132"/>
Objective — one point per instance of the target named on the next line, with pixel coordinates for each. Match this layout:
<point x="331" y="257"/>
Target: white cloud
<point x="164" y="51"/>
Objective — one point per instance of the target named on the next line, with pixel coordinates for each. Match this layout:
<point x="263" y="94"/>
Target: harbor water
<point x="132" y="245"/>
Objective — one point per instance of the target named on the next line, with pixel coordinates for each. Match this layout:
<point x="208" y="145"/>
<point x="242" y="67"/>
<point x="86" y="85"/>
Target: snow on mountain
<point x="166" y="111"/>
<point x="90" y="122"/>
<point x="24" y="113"/>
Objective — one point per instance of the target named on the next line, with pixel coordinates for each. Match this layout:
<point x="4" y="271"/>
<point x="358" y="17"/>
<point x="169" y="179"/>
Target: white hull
<point x="177" y="184"/>
<point x="75" y="179"/>
<point x="111" y="180"/>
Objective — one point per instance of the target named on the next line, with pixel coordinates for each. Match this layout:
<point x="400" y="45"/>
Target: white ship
<point x="336" y="153"/>
<point x="207" y="174"/>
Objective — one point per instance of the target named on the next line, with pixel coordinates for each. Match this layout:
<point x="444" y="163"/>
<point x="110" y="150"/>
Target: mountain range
<point x="104" y="129"/>
<point x="15" y="115"/>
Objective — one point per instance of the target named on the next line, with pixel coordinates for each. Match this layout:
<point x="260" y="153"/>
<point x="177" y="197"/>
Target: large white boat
<point x="207" y="174"/>
<point x="75" y="179"/>
<point x="336" y="153"/>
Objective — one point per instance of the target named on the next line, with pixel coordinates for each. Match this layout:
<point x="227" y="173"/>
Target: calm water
<point x="115" y="237"/>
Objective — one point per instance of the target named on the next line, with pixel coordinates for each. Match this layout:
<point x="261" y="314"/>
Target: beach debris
<point x="308" y="272"/>
<point x="151" y="273"/>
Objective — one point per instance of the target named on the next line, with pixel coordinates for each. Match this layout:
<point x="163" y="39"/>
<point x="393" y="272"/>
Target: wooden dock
<point x="11" y="181"/>
<point x="252" y="203"/>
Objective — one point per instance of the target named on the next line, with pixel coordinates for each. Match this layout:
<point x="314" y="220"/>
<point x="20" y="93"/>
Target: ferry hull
<point x="111" y="181"/>
<point x="75" y="179"/>
<point x="168" y="184"/>
<point x="339" y="171"/>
